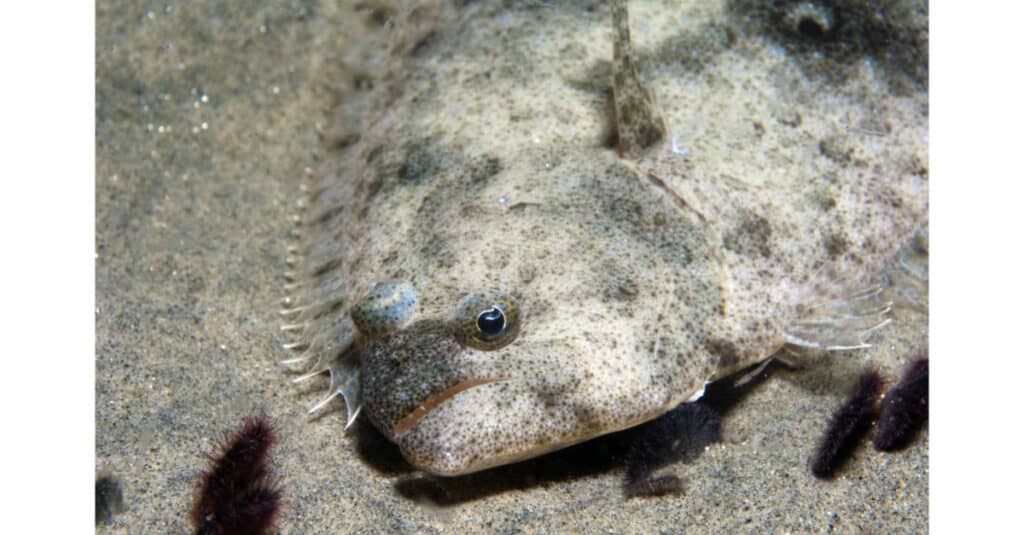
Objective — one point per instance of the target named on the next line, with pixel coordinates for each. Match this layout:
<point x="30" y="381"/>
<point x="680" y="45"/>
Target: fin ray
<point x="637" y="122"/>
<point x="842" y="321"/>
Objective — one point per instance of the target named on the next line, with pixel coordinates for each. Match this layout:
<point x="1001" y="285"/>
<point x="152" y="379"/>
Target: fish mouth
<point x="434" y="401"/>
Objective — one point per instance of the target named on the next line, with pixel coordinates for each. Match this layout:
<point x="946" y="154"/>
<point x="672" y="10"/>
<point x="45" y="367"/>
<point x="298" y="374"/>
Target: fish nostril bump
<point x="388" y="306"/>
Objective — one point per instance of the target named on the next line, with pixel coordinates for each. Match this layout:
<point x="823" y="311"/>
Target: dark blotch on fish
<point x="681" y="434"/>
<point x="848" y="424"/>
<point x="905" y="408"/>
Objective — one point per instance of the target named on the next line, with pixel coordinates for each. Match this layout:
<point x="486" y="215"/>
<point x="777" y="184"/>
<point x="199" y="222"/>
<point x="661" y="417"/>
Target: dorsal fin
<point x="637" y="122"/>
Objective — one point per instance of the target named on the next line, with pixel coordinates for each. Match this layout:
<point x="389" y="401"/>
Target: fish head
<point x="579" y="307"/>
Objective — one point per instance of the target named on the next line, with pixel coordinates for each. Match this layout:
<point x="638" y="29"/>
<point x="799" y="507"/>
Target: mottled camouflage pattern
<point x="484" y="165"/>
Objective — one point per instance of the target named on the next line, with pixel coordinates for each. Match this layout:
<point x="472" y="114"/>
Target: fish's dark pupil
<point x="491" y="321"/>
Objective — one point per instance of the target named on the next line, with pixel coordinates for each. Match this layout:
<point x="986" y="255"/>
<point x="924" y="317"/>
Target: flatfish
<point x="550" y="229"/>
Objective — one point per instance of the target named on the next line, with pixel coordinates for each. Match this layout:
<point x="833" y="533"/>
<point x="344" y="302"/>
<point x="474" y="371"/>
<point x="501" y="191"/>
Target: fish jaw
<point x="453" y="410"/>
<point x="441" y="444"/>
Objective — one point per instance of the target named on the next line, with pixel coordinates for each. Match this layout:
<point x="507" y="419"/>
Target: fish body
<point x="513" y="259"/>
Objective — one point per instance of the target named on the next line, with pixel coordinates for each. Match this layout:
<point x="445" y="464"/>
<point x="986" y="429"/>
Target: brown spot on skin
<point x="727" y="352"/>
<point x="484" y="169"/>
<point x="836" y="245"/>
<point x="836" y="149"/>
<point x="420" y="162"/>
<point x="617" y="285"/>
<point x="751" y="237"/>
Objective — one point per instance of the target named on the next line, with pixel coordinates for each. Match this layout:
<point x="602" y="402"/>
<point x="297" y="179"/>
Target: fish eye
<point x="491" y="322"/>
<point x="487" y="320"/>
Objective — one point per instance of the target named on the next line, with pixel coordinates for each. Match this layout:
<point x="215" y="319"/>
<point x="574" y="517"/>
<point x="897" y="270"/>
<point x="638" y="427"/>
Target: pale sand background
<point x="191" y="236"/>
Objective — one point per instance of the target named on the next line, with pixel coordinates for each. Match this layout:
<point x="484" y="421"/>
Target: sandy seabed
<point x="208" y="117"/>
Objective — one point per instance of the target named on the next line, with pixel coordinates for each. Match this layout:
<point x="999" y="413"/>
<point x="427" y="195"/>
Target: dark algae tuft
<point x="904" y="408"/>
<point x="238" y="493"/>
<point x="901" y="414"/>
<point x="848" y="424"/>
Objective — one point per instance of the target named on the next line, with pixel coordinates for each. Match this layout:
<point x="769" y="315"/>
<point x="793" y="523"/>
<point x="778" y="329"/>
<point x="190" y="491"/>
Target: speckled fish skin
<point x="483" y="164"/>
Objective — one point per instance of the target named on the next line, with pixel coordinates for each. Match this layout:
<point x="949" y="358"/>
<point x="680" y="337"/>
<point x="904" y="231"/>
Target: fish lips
<point x="481" y="423"/>
<point x="410" y="375"/>
<point x="407" y="422"/>
<point x="454" y="410"/>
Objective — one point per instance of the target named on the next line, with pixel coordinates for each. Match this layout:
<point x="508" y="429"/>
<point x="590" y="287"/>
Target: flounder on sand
<point x="547" y="231"/>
